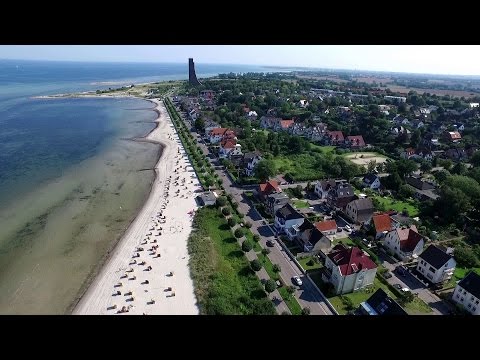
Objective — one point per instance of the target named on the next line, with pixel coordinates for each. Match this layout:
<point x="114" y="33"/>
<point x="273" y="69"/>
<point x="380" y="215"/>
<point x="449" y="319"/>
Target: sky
<point x="431" y="59"/>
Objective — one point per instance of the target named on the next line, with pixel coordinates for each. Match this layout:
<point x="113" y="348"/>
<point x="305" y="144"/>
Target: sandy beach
<point x="148" y="273"/>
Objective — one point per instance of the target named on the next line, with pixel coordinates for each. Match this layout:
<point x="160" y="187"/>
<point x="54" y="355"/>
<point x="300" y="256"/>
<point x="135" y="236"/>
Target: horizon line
<point x="308" y="68"/>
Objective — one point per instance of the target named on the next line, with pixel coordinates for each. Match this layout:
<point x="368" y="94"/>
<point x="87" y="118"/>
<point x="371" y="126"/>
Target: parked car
<point x="270" y="243"/>
<point x="401" y="270"/>
<point x="279" y="283"/>
<point x="339" y="229"/>
<point x="297" y="281"/>
<point x="397" y="286"/>
<point x="348" y="228"/>
<point x="388" y="275"/>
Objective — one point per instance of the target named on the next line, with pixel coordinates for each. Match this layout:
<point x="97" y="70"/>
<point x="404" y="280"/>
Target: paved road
<point x="306" y="295"/>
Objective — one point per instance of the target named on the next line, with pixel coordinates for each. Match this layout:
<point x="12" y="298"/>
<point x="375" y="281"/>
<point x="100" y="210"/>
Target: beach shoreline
<point x="97" y="297"/>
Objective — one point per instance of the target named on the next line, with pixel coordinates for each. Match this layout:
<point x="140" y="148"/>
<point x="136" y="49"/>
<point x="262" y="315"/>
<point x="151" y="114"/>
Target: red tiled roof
<point x="218" y="131"/>
<point x="228" y="144"/>
<point x="269" y="187"/>
<point x="336" y="135"/>
<point x="326" y="225"/>
<point x="455" y="135"/>
<point x="356" y="140"/>
<point x="351" y="260"/>
<point x="284" y="124"/>
<point x="409" y="238"/>
<point x="382" y="222"/>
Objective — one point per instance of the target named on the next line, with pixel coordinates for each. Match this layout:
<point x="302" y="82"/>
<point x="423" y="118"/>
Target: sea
<point x="72" y="178"/>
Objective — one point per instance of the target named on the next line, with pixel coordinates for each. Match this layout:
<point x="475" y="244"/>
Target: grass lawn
<point x="397" y="205"/>
<point x="345" y="240"/>
<point x="304" y="261"/>
<point x="459" y="274"/>
<point x="323" y="149"/>
<point x="224" y="282"/>
<point x="300" y="204"/>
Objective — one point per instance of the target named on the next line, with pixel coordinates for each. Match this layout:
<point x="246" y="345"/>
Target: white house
<point x="474" y="105"/>
<point x="404" y="242"/>
<point x="436" y="265"/>
<point x="286" y="217"/>
<point x="229" y="146"/>
<point x="218" y="134"/>
<point x="371" y="181"/>
<point x="303" y="103"/>
<point x="251" y="160"/>
<point x="348" y="269"/>
<point x="309" y="237"/>
<point x="322" y="187"/>
<point x="467" y="293"/>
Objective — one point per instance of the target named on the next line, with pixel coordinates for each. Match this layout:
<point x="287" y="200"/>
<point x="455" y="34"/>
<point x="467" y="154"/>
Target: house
<point x="322" y="187"/>
<point x="453" y="136"/>
<point x="335" y="137"/>
<point x="268" y="122"/>
<point x="397" y="130"/>
<point x="467" y="293"/>
<point x="360" y="210"/>
<point x="355" y="142"/>
<point x="327" y="227"/>
<point x="218" y="134"/>
<point x="382" y="224"/>
<point x="380" y="304"/>
<point x="283" y="125"/>
<point x="275" y="201"/>
<point x="286" y="217"/>
<point x="210" y="125"/>
<point x="309" y="237"/>
<point x="459" y="127"/>
<point x="436" y="265"/>
<point x="404" y="242"/>
<point x="229" y="146"/>
<point x="456" y="154"/>
<point x="270" y="187"/>
<point x="397" y="99"/>
<point x="371" y="181"/>
<point x="408" y="153"/>
<point x="252" y="115"/>
<point x="401" y="120"/>
<point x="348" y="269"/>
<point x="303" y="103"/>
<point x="423" y="190"/>
<point x="474" y="105"/>
<point x="339" y="196"/>
<point x="207" y="198"/>
<point x="207" y="94"/>
<point x="250" y="160"/>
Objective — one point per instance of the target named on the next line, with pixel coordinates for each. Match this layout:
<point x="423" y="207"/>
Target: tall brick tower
<point x="192" y="77"/>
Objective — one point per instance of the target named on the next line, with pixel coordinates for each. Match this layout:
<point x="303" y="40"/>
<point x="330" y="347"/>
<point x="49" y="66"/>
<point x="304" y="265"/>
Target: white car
<point x="348" y="228"/>
<point x="297" y="280"/>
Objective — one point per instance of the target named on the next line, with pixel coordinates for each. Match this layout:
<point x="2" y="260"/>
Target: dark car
<point x="270" y="243"/>
<point x="388" y="275"/>
<point x="397" y="286"/>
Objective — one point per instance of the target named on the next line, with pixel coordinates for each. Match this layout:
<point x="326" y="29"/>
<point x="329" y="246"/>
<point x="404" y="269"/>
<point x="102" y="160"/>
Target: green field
<point x="300" y="204"/>
<point x="392" y="204"/>
<point x="306" y="267"/>
<point x="224" y="282"/>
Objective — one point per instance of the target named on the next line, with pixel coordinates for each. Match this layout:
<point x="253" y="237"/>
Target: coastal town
<point x="308" y="196"/>
<point x="345" y="198"/>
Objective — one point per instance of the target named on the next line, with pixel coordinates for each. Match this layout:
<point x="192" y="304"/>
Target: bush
<point x="306" y="311"/>
<point x="248" y="224"/>
<point x="276" y="268"/>
<point x="229" y="197"/>
<point x="234" y="205"/>
<point x="232" y="222"/>
<point x="256" y="238"/>
<point x="226" y="211"/>
<point x="465" y="257"/>
<point x="246" y="246"/>
<point x="241" y="216"/>
<point x="255" y="265"/>
<point x="265" y="252"/>
<point x="221" y="201"/>
<point x="270" y="286"/>
<point x="238" y="233"/>
<point x="310" y="262"/>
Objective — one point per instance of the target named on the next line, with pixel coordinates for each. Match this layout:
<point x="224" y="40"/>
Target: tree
<point x="306" y="311"/>
<point x="265" y="252"/>
<point x="200" y="124"/>
<point x="221" y="201"/>
<point x="407" y="297"/>
<point x="247" y="246"/>
<point x="264" y="170"/>
<point x="465" y="257"/>
<point x="270" y="286"/>
<point x="238" y="233"/>
<point x="232" y="222"/>
<point x="425" y="166"/>
<point x="475" y="159"/>
<point x="291" y="290"/>
<point x="255" y="265"/>
<point x="256" y="238"/>
<point x="459" y="169"/>
<point x="372" y="164"/>
<point x="226" y="211"/>
<point x="405" y="191"/>
<point x="276" y="268"/>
